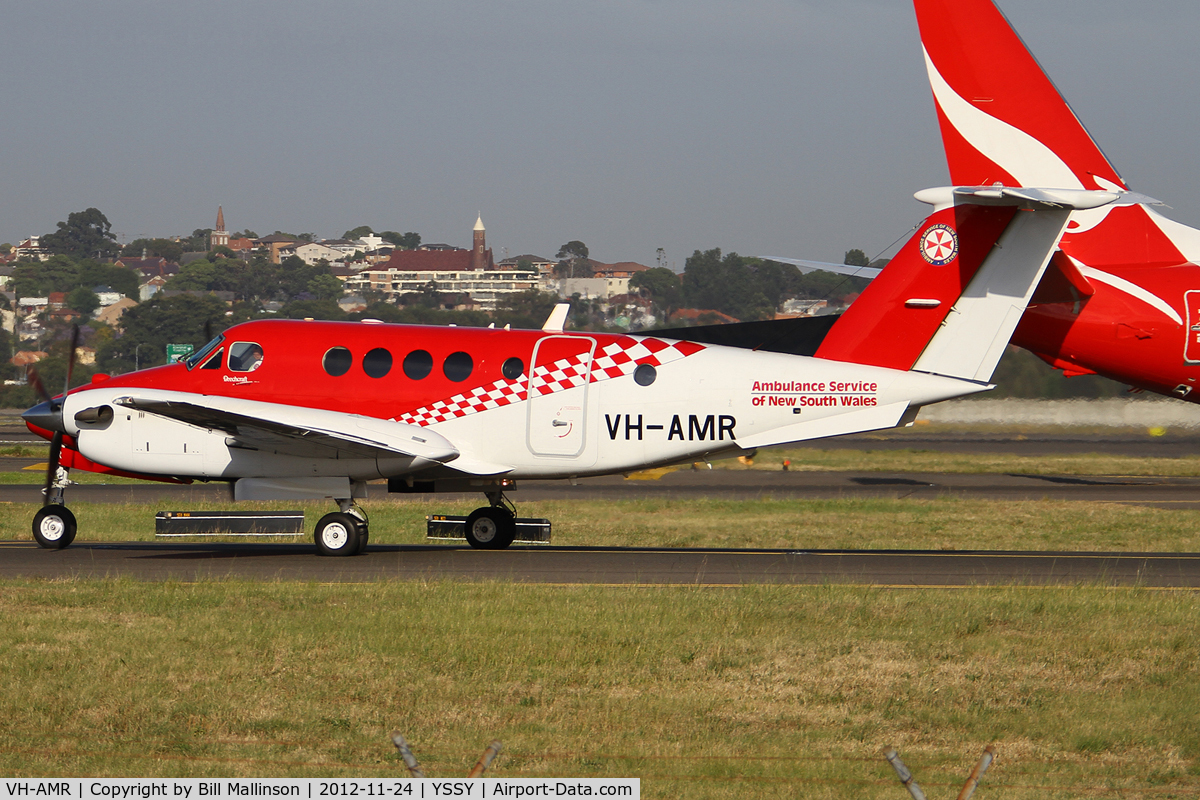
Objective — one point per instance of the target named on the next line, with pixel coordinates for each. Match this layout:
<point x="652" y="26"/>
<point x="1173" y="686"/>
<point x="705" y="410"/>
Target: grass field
<point x="758" y="691"/>
<point x="909" y="524"/>
<point x="710" y="693"/>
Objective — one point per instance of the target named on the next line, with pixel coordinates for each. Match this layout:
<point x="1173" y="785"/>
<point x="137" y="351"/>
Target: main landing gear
<point x="54" y="525"/>
<point x="492" y="527"/>
<point x="344" y="532"/>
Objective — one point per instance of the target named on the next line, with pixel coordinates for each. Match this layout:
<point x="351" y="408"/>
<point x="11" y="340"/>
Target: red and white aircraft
<point x="308" y="410"/>
<point x="1121" y="298"/>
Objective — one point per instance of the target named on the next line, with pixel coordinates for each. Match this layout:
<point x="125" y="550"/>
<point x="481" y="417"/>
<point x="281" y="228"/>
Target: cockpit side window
<point x="245" y="356"/>
<point x="203" y="352"/>
<point x="214" y="361"/>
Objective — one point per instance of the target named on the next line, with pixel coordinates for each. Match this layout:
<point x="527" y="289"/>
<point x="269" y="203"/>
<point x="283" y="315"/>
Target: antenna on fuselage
<point x="557" y="318"/>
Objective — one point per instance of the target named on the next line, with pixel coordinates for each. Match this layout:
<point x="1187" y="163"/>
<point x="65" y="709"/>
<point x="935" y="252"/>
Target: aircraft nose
<point x="45" y="415"/>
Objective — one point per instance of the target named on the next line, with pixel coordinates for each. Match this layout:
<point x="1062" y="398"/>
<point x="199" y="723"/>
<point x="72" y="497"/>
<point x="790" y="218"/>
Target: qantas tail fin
<point x="1003" y="122"/>
<point x="949" y="301"/>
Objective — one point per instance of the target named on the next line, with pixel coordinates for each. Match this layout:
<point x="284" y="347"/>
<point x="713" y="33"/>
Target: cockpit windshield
<point x="199" y="355"/>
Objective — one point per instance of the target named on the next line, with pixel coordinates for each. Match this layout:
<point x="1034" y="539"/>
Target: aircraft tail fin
<point x="1002" y="119"/>
<point x="1003" y="122"/>
<point x="949" y="301"/>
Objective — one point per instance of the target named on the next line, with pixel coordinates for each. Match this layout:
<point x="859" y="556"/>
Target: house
<point x="107" y="295"/>
<point x="30" y="249"/>
<point x="23" y="358"/>
<point x="151" y="288"/>
<point x="241" y="246"/>
<point x="701" y="316"/>
<point x="313" y="252"/>
<point x="617" y="275"/>
<point x="274" y="243"/>
<point x="455" y="271"/>
<point x="351" y="303"/>
<point x="111" y="315"/>
<point x="150" y="267"/>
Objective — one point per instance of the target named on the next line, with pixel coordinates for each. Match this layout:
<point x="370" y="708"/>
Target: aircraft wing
<point x="841" y="269"/>
<point x="293" y="430"/>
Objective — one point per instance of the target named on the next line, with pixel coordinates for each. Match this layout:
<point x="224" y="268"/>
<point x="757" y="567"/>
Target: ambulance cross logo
<point x="939" y="245"/>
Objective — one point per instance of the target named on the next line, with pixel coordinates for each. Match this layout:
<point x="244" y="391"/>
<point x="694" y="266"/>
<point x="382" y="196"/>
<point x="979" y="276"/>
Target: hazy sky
<point x="767" y="127"/>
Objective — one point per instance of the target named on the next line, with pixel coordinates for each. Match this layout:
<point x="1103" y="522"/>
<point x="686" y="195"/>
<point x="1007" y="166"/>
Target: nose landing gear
<point x="54" y="525"/>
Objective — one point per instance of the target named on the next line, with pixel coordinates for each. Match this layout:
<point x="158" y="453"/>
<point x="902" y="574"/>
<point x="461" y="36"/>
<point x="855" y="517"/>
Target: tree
<point x="295" y="276"/>
<point x="85" y="234"/>
<point x="726" y="284"/>
<point x="163" y="248"/>
<point x="856" y="258"/>
<point x="573" y="260"/>
<point x="405" y="241"/>
<point x="531" y="304"/>
<point x="182" y="319"/>
<point x="660" y="286"/>
<point x="120" y="279"/>
<point x="198" y="242"/>
<point x="83" y="300"/>
<point x="325" y="287"/>
<point x="358" y="233"/>
<point x="777" y="281"/>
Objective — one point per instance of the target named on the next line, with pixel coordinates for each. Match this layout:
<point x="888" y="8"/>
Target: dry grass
<point x="758" y="691"/>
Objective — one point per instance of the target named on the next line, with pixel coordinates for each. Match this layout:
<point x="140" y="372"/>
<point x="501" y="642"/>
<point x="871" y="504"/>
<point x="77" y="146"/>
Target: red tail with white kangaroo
<point x="1121" y="298"/>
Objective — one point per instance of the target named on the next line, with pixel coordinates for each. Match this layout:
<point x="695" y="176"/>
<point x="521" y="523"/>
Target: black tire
<point x="364" y="535"/>
<point x="54" y="527"/>
<point x="490" y="528"/>
<point x="337" y="534"/>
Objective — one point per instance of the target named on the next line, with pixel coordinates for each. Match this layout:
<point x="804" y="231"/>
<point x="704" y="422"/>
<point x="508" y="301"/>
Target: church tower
<point x="219" y="236"/>
<point x="479" y="254"/>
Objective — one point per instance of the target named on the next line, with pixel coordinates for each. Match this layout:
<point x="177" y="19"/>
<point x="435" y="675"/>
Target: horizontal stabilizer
<point x="807" y="266"/>
<point x="1030" y="197"/>
<point x="951" y="298"/>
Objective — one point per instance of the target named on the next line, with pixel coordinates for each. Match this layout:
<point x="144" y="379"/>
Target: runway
<point x="153" y="561"/>
<point x="617" y="566"/>
<point x="730" y="484"/>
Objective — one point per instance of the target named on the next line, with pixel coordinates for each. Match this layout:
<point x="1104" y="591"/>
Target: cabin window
<point x="245" y="356"/>
<point x="418" y="364"/>
<point x="377" y="363"/>
<point x="457" y="366"/>
<point x="337" y="361"/>
<point x="513" y="368"/>
<point x="645" y="374"/>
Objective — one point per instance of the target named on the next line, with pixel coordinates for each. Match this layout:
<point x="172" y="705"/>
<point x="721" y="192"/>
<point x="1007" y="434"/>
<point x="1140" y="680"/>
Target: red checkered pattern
<point x="620" y="357"/>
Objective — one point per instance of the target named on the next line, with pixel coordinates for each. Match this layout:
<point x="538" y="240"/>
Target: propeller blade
<point x="71" y="357"/>
<point x="52" y="467"/>
<point x="35" y="380"/>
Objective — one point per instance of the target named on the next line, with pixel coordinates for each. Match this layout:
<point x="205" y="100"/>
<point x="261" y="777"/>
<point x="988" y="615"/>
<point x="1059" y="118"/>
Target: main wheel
<point x="54" y="527"/>
<point x="337" y="534"/>
<point x="490" y="528"/>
